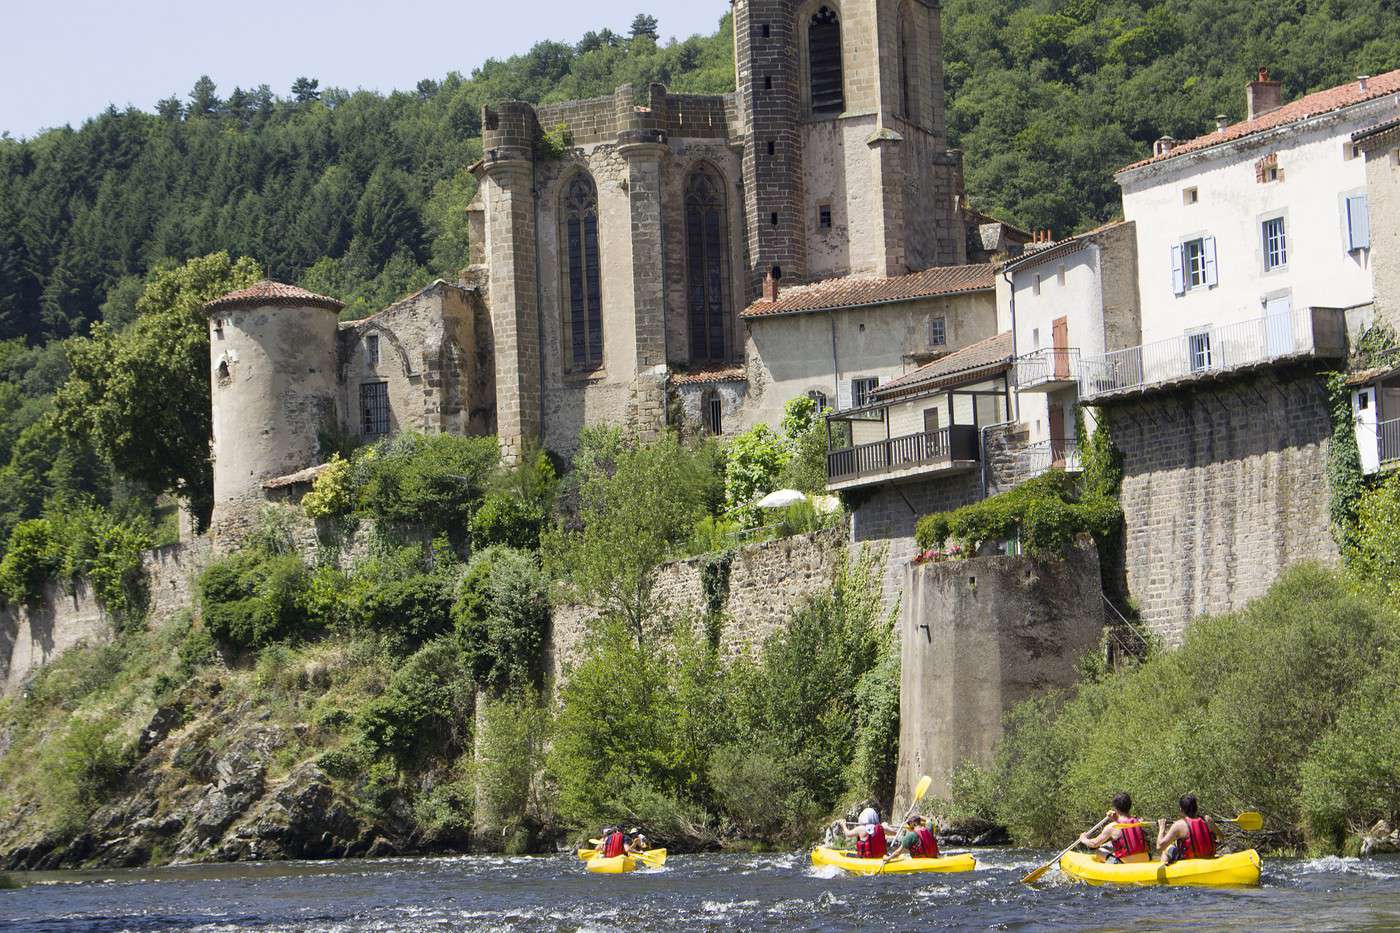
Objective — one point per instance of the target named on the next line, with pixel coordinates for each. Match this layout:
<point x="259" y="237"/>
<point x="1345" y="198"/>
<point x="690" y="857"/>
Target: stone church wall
<point x="1223" y="488"/>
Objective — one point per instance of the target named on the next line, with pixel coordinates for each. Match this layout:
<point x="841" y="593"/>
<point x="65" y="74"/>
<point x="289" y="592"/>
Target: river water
<point x="699" y="892"/>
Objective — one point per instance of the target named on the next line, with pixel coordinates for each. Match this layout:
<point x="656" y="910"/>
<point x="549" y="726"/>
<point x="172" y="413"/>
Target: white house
<point x="1254" y="240"/>
<point x="1076" y="297"/>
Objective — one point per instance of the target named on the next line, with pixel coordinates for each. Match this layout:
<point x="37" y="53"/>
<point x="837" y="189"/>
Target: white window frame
<point x="1194" y="264"/>
<point x="938" y="331"/>
<point x="861" y="389"/>
<point x="1199" y="349"/>
<point x="1274" y="243"/>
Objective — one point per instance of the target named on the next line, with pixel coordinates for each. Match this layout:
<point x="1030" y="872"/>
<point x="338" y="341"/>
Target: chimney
<point x="1221" y="121"/>
<point x="770" y="288"/>
<point x="1263" y="95"/>
<point x="1162" y="147"/>
<point x="1361" y="81"/>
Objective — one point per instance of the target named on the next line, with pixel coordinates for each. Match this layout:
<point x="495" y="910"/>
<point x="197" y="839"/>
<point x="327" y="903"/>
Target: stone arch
<point x="580" y="265"/>
<point x="707" y="262"/>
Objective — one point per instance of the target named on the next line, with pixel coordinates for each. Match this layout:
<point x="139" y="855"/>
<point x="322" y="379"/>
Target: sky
<point x="64" y="60"/>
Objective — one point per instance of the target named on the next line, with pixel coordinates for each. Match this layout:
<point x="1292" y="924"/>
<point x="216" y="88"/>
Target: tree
<point x="204" y="102"/>
<point x="643" y="25"/>
<point x="304" y="90"/>
<point x="632" y="520"/>
<point x="141" y="397"/>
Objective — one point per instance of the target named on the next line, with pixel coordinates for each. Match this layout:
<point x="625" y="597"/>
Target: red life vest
<point x="1198" y="842"/>
<point x="928" y="843"/>
<point x="872" y="844"/>
<point x="614" y="845"/>
<point x="1130" y="840"/>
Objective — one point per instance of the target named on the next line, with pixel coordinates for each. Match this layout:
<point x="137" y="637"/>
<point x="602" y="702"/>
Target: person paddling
<point x="1192" y="836"/>
<point x="1121" y="843"/>
<point x="869" y="833"/>
<point x="637" y="843"/>
<point x="919" y="841"/>
<point x="614" y="842"/>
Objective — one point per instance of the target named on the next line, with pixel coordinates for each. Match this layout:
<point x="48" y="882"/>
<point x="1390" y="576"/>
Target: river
<point x="699" y="892"/>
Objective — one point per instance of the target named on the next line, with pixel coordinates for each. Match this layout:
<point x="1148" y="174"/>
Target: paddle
<point x="920" y="789"/>
<point x="1040" y="872"/>
<point x="1251" y="821"/>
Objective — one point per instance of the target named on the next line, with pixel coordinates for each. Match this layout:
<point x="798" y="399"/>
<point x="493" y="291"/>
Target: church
<point x="652" y="259"/>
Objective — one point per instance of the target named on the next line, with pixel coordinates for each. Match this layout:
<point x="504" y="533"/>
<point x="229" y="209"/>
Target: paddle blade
<point x="1250" y="821"/>
<point x="586" y="854"/>
<point x="922" y="787"/>
<point x="652" y="858"/>
<point x="1039" y="873"/>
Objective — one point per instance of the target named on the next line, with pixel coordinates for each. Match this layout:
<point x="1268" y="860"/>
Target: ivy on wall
<point x="1377" y="346"/>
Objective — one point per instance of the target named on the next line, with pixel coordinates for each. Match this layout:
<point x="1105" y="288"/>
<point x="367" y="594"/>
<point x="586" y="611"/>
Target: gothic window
<point x="824" y="62"/>
<point x="584" y="288"/>
<point x="707" y="244"/>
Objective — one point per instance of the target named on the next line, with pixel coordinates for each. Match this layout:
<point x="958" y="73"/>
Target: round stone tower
<point x="272" y="361"/>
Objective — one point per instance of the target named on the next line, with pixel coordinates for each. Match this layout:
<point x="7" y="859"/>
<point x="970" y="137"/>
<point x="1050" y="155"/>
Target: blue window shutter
<point x="1208" y="243"/>
<point x="1178" y="272"/>
<point x="1358" y="223"/>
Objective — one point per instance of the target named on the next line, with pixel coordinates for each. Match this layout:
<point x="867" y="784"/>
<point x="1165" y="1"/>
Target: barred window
<point x="372" y="348"/>
<point x="824" y="62"/>
<point x="585" y="323"/>
<point x="712" y="410"/>
<point x="374" y="409"/>
<point x="707" y="244"/>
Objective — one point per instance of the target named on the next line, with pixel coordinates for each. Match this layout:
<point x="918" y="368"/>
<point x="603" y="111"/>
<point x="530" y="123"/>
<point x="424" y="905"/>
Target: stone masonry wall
<point x="766" y="582"/>
<point x="887" y="514"/>
<point x="1223" y="488"/>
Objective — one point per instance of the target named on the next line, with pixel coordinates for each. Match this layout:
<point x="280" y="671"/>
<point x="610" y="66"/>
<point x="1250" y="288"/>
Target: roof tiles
<point x="268" y="292"/>
<point x="853" y="291"/>
<point x="1310" y="105"/>
<point x="990" y="354"/>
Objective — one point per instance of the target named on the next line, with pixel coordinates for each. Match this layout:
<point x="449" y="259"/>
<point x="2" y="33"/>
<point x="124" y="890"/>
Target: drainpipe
<point x="982" y="442"/>
<point x="835" y="364"/>
<point x="1011" y="290"/>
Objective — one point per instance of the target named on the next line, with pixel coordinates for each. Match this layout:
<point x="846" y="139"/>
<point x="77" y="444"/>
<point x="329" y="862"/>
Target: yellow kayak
<point x="1235" y="869"/>
<point x="652" y="858"/>
<point x="849" y="861"/>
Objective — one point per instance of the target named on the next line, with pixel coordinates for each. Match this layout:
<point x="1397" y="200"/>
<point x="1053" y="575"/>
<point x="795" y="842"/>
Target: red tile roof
<point x="710" y="375"/>
<point x="272" y="293"/>
<point x="982" y="358"/>
<point x="854" y="291"/>
<point x="1311" y="105"/>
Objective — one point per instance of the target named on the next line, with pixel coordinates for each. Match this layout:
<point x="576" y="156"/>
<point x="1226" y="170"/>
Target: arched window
<point x="585" y="296"/>
<point x="707" y="245"/>
<point x="712" y="412"/>
<point x="906" y="68"/>
<point x="824" y="62"/>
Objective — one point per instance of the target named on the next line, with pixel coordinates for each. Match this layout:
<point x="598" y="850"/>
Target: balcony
<point x="1388" y="441"/>
<point x="1214" y="352"/>
<point x="1048" y="369"/>
<point x="1060" y="453"/>
<point x="949" y="450"/>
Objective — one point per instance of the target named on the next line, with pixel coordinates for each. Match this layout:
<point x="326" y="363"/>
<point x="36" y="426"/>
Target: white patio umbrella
<point x="780" y="499"/>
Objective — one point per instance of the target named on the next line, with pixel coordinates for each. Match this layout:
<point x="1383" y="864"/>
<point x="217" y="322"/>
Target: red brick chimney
<point x="1263" y="95"/>
<point x="770" y="288"/>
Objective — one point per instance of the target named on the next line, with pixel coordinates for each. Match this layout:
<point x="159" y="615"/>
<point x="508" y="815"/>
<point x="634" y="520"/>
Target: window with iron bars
<point x="374" y="409"/>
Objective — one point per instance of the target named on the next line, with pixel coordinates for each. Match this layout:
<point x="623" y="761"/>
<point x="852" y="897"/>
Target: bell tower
<point x="846" y="165"/>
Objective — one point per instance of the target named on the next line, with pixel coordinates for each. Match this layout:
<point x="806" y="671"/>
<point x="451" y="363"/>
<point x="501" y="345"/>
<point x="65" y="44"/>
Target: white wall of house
<point x="1317" y="173"/>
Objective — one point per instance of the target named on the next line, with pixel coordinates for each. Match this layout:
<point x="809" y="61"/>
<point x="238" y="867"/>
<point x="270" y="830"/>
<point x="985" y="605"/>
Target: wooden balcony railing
<point x="944" y="446"/>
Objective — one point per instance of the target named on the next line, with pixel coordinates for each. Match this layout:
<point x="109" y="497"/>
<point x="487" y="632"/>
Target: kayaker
<point x="919" y="841"/>
<point x="614" y="842"/>
<point x="1192" y="836"/>
<point x="636" y="841"/>
<point x="869" y="832"/>
<point x="1121" y="843"/>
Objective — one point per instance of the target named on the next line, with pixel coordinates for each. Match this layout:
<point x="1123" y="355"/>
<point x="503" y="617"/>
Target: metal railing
<point x="1060" y="453"/>
<point x="1228" y="346"/>
<point x="1388" y="440"/>
<point x="875" y="457"/>
<point x="1048" y="364"/>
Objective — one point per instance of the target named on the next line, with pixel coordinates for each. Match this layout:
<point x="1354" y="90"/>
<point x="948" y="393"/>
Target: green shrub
<point x="504" y="519"/>
<point x="761" y="793"/>
<point x="514" y="802"/>
<point x="1046" y="512"/>
<point x="32" y="558"/>
<point x="82" y="768"/>
<point x="249" y="600"/>
<point x="755" y="458"/>
<point x="1373" y="554"/>
<point x="403" y="597"/>
<point x="444" y="814"/>
<point x="972" y="803"/>
<point x="712" y="534"/>
<point x="804" y="429"/>
<point x="1232" y="716"/>
<point x="426" y="708"/>
<point x="501" y="616"/>
<point x="333" y="492"/>
<point x="428" y="481"/>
